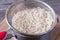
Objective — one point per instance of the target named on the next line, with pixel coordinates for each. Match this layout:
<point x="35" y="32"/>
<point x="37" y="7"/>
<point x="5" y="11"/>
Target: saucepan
<point x="20" y="5"/>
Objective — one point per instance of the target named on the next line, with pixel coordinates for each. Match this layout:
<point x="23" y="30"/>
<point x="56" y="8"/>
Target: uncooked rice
<point x="33" y="21"/>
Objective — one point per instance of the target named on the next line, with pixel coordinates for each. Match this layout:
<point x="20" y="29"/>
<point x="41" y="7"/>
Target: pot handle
<point x="58" y="19"/>
<point x="10" y="34"/>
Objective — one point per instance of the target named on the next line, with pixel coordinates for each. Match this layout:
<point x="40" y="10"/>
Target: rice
<point x="32" y="21"/>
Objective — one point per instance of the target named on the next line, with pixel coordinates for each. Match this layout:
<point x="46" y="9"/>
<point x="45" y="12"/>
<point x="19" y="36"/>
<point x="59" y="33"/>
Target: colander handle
<point x="9" y="35"/>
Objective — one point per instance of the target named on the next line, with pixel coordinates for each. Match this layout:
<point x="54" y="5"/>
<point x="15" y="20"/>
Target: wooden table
<point x="55" y="4"/>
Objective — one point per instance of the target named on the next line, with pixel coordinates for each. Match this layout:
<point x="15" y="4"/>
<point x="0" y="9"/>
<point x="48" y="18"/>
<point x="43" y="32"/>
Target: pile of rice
<point x="33" y="21"/>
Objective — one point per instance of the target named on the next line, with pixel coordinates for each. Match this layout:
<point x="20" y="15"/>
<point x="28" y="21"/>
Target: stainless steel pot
<point x="21" y="5"/>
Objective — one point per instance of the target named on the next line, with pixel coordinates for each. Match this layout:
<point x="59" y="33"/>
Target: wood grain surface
<point x="55" y="33"/>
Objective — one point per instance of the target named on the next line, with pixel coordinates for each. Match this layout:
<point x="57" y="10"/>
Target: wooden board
<point x="55" y="33"/>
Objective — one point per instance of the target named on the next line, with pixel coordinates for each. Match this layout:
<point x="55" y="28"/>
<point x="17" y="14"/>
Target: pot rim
<point x="55" y="18"/>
